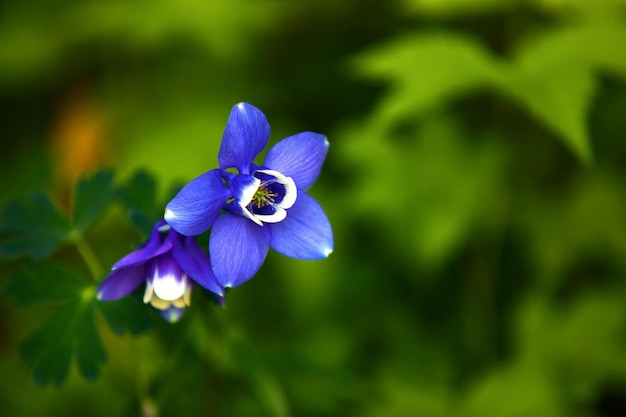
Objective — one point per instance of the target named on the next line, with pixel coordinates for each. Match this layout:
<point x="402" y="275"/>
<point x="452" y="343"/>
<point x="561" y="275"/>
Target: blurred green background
<point x="476" y="183"/>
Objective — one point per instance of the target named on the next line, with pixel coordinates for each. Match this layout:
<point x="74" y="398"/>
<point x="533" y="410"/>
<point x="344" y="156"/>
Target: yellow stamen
<point x="263" y="197"/>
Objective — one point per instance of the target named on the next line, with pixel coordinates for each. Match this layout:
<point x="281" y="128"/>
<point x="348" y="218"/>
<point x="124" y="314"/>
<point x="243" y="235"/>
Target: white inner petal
<point x="291" y="192"/>
<point x="278" y="216"/>
<point x="248" y="192"/>
<point x="251" y="216"/>
<point x="168" y="288"/>
<point x="147" y="295"/>
<point x="280" y="178"/>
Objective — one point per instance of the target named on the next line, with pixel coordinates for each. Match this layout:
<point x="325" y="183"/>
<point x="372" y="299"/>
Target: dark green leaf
<point x="142" y="221"/>
<point x="49" y="349"/>
<point x="139" y="193"/>
<point x="71" y="332"/>
<point x="34" y="227"/>
<point x="87" y="347"/>
<point x="126" y="315"/>
<point x="139" y="197"/>
<point x="44" y="283"/>
<point x="92" y="196"/>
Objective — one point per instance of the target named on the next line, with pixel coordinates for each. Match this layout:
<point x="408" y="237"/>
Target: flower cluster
<point x="248" y="208"/>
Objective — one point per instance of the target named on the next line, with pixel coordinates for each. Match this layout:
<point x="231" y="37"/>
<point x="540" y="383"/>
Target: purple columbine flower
<point x="265" y="205"/>
<point x="169" y="264"/>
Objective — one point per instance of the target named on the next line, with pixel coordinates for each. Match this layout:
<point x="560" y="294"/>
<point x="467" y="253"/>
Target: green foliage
<point x="449" y="8"/>
<point x="218" y="27"/>
<point x="552" y="76"/>
<point x="426" y="70"/>
<point x="139" y="196"/>
<point x="475" y="183"/>
<point x="37" y="229"/>
<point x="126" y="315"/>
<point x="43" y="283"/>
<point x="34" y="227"/>
<point x="69" y="334"/>
<point x="92" y="196"/>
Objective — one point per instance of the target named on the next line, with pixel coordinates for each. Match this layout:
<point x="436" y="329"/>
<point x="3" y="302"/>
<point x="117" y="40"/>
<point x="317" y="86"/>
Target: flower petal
<point x="195" y="262"/>
<point x="196" y="206"/>
<point x="168" y="279"/>
<point x="153" y="247"/>
<point x="300" y="157"/>
<point x="278" y="216"/>
<point x="238" y="248"/>
<point x="305" y="233"/>
<point x="243" y="188"/>
<point x="121" y="282"/>
<point x="246" y="134"/>
<point x="291" y="190"/>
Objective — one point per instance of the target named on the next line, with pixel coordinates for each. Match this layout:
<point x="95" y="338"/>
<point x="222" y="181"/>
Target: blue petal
<point x="196" y="206"/>
<point x="238" y="248"/>
<point x="165" y="266"/>
<point x="300" y="157"/>
<point x="121" y="282"/>
<point x="246" y="134"/>
<point x="243" y="187"/>
<point x="195" y="262"/>
<point x="305" y="233"/>
<point x="149" y="250"/>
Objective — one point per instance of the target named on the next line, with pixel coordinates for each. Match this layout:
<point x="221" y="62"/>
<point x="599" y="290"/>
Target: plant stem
<point x="90" y="258"/>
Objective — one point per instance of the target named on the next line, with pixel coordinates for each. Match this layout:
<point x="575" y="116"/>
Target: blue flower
<point x="264" y="205"/>
<point x="168" y="264"/>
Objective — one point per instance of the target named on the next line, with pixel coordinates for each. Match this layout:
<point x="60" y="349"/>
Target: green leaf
<point x="427" y="70"/>
<point x="552" y="75"/>
<point x="92" y="196"/>
<point x="139" y="192"/>
<point x="34" y="227"/>
<point x="45" y="283"/>
<point x="70" y="333"/>
<point x="126" y="315"/>
<point x="142" y="221"/>
<point x="139" y="195"/>
<point x="88" y="349"/>
<point x="560" y="101"/>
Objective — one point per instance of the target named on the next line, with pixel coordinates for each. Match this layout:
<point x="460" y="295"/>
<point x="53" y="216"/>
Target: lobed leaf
<point x="45" y="283"/>
<point x="552" y="75"/>
<point x="139" y="192"/>
<point x="34" y="227"/>
<point x="560" y="101"/>
<point x="70" y="333"/>
<point x="427" y="70"/>
<point x="126" y="315"/>
<point x="139" y="196"/>
<point x="92" y="196"/>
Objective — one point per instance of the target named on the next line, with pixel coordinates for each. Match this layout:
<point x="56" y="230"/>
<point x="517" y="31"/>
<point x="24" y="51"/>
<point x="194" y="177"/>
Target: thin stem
<point x="90" y="258"/>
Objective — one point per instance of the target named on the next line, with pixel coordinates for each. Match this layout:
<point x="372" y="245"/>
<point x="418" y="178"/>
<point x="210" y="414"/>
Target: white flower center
<point x="260" y="194"/>
<point x="165" y="291"/>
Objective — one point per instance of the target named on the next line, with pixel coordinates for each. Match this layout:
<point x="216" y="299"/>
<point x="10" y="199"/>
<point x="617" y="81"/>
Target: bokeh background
<point x="476" y="183"/>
